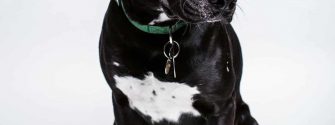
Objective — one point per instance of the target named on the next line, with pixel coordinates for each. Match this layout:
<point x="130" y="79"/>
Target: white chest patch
<point x="157" y="99"/>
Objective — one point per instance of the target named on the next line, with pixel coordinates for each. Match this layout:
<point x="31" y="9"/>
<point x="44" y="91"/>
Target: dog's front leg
<point x="224" y="113"/>
<point x="123" y="114"/>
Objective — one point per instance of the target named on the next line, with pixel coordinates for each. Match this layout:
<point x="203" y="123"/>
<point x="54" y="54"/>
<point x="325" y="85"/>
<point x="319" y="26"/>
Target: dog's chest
<point x="156" y="99"/>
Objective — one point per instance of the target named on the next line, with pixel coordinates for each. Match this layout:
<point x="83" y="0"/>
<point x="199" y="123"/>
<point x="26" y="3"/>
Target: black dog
<point x="201" y="81"/>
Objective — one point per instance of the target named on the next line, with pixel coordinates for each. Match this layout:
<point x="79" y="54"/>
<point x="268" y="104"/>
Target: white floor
<point x="50" y="72"/>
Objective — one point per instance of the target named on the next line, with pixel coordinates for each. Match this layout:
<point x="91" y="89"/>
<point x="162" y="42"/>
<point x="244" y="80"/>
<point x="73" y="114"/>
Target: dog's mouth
<point x="199" y="11"/>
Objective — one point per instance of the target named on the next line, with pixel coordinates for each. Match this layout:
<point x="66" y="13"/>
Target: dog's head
<point x="157" y="12"/>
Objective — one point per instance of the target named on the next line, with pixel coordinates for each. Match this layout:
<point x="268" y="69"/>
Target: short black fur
<point x="210" y="59"/>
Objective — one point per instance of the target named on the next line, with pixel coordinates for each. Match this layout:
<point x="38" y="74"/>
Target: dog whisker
<point x="198" y="26"/>
<point x="186" y="29"/>
<point x="240" y="8"/>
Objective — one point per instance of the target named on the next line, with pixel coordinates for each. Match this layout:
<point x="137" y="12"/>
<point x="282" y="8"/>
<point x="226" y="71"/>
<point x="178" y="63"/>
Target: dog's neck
<point x="150" y="27"/>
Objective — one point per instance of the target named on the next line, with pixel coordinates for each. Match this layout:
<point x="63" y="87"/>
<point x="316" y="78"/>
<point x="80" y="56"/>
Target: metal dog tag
<point x="167" y="66"/>
<point x="171" y="51"/>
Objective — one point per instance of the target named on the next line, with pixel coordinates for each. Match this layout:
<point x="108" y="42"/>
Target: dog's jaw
<point x="200" y="11"/>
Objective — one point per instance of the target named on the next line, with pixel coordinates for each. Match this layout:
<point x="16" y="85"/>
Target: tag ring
<point x="172" y="45"/>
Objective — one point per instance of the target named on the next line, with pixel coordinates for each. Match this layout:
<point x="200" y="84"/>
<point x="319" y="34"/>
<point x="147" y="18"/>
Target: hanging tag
<point x="171" y="51"/>
<point x="167" y="66"/>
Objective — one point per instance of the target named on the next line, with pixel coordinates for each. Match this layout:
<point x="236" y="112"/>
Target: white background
<point x="50" y="72"/>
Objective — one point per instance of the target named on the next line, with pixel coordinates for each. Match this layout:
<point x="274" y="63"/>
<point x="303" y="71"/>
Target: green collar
<point x="153" y="29"/>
